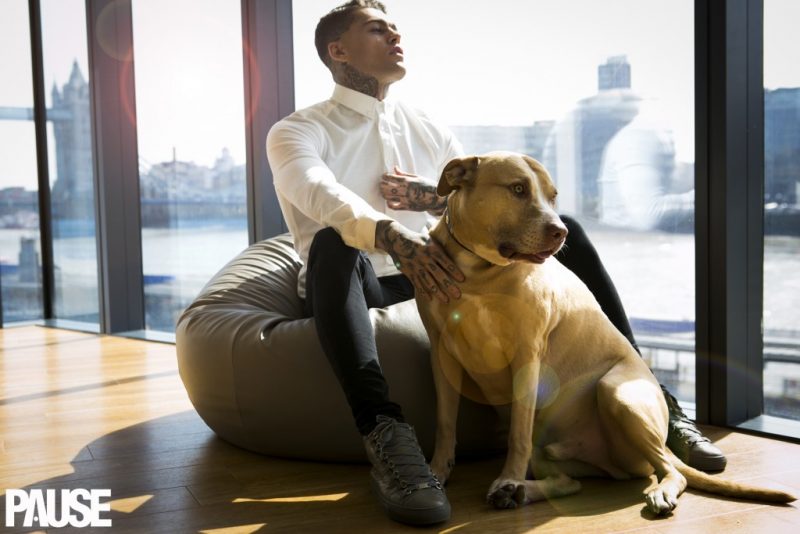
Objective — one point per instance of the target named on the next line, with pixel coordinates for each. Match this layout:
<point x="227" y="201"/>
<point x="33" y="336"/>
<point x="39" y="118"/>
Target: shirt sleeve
<point x="449" y="145"/>
<point x="301" y="176"/>
<point x="453" y="148"/>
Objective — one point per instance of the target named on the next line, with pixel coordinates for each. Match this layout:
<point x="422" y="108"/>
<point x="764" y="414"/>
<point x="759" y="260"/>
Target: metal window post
<point x="729" y="204"/>
<point x="40" y="122"/>
<point x="119" y="241"/>
<point x="269" y="96"/>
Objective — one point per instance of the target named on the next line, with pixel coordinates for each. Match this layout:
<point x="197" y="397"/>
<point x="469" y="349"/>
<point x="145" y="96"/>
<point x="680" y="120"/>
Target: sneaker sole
<point x="707" y="463"/>
<point x="428" y="516"/>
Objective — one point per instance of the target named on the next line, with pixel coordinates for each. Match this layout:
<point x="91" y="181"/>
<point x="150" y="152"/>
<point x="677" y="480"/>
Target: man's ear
<point x="337" y="52"/>
<point x="456" y="173"/>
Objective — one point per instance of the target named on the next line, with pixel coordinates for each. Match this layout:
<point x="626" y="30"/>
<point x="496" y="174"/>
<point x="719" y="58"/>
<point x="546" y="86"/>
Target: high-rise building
<point x="574" y="150"/>
<point x="615" y="74"/>
<point x="781" y="142"/>
<point x="782" y="161"/>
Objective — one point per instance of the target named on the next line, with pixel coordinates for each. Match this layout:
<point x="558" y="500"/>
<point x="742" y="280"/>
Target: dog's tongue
<point x="533" y="258"/>
<point x="508" y="252"/>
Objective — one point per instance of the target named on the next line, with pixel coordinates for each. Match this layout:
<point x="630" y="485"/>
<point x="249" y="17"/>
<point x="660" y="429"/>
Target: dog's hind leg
<point x="544" y="465"/>
<point x="576" y="461"/>
<point x="633" y="411"/>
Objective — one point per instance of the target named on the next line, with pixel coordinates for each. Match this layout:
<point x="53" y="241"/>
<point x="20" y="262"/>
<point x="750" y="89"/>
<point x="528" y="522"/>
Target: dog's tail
<point x="705" y="482"/>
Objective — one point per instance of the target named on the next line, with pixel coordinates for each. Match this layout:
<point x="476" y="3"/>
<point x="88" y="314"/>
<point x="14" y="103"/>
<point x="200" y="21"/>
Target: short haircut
<point x="331" y="27"/>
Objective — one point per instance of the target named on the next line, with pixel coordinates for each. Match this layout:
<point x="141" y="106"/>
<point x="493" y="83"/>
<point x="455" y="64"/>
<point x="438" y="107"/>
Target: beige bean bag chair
<point x="255" y="372"/>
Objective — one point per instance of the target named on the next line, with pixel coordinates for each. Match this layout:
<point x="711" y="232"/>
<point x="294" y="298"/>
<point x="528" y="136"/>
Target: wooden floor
<point x="84" y="411"/>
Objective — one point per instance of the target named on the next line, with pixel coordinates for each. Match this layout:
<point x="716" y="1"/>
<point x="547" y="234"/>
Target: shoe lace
<point x="680" y="424"/>
<point x="404" y="458"/>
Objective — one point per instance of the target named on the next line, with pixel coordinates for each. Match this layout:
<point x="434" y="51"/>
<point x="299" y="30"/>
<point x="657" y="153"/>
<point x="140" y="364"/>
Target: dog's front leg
<point x="447" y="376"/>
<point x="508" y="490"/>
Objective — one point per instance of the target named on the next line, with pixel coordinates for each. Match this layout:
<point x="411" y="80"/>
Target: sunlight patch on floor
<point x="455" y="528"/>
<point x="308" y="498"/>
<point x="241" y="529"/>
<point x="130" y="504"/>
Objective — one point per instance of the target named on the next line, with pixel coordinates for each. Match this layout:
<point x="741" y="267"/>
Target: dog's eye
<point x="518" y="189"/>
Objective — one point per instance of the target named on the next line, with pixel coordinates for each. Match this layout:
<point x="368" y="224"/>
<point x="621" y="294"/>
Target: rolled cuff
<point x="360" y="233"/>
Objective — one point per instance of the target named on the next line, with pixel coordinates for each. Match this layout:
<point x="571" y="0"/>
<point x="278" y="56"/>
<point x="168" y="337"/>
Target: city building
<point x="614" y="74"/>
<point x="781" y="143"/>
<point x="530" y="140"/>
<point x="782" y="161"/>
<point x="574" y="150"/>
<point x="72" y="195"/>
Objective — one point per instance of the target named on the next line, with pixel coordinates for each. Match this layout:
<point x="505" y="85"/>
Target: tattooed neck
<point x="358" y="81"/>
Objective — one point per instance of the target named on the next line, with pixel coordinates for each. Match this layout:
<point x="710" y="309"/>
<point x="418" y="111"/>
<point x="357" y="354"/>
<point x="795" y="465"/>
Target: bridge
<point x="26" y="114"/>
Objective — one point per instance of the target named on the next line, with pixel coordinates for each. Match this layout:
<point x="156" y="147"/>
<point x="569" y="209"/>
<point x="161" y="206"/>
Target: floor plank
<point x="81" y="410"/>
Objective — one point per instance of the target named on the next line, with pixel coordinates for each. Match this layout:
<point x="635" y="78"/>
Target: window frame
<point x="42" y="165"/>
<point x="729" y="185"/>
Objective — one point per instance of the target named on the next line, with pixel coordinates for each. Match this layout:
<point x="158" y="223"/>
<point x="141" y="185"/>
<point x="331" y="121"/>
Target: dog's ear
<point x="456" y="173"/>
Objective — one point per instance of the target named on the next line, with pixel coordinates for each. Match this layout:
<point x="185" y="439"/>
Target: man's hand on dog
<point x="404" y="191"/>
<point x="421" y="259"/>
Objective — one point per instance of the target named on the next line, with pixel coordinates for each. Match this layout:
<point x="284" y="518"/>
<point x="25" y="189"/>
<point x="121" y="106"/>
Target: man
<point x="358" y="223"/>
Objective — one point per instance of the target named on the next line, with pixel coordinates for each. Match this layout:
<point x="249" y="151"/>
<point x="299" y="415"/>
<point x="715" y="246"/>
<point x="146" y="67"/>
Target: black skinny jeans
<point x="341" y="287"/>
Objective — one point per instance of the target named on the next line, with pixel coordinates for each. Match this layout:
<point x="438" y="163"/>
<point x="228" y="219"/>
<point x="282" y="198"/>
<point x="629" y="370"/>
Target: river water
<point x="653" y="271"/>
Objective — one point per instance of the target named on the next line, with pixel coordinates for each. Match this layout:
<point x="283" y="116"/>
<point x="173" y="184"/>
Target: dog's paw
<point x="442" y="470"/>
<point x="661" y="502"/>
<point x="505" y="494"/>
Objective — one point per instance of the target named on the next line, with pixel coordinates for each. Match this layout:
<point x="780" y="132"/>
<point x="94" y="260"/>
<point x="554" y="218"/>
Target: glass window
<point x="20" y="257"/>
<point x="605" y="100"/>
<point x="190" y="122"/>
<point x="781" y="321"/>
<point x="66" y="76"/>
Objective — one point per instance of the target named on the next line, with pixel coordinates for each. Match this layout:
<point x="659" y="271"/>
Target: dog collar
<point x="449" y="224"/>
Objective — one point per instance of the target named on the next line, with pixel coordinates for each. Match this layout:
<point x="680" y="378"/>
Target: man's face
<point x="371" y="46"/>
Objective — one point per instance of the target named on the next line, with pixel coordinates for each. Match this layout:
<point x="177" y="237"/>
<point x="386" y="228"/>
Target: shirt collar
<point x="359" y="102"/>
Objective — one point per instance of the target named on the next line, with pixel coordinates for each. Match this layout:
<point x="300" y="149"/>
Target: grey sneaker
<point x="402" y="479"/>
<point x="688" y="443"/>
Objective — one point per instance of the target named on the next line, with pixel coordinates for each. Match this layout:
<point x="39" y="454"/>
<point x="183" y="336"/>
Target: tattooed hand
<point x="404" y="191"/>
<point x="421" y="259"/>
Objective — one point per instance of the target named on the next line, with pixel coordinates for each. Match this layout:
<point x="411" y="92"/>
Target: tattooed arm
<point x="404" y="191"/>
<point x="421" y="259"/>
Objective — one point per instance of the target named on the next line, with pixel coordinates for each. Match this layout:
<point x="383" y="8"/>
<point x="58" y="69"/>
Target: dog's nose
<point x="557" y="230"/>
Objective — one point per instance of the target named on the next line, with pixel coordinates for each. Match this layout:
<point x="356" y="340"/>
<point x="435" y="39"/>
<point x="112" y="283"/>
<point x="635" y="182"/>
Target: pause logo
<point x="51" y="508"/>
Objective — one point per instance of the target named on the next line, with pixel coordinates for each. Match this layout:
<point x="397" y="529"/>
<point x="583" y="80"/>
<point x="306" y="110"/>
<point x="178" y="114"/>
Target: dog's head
<point x="502" y="207"/>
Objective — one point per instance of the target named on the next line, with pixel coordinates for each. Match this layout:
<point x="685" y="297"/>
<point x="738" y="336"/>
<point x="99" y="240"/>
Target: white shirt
<point x="327" y="161"/>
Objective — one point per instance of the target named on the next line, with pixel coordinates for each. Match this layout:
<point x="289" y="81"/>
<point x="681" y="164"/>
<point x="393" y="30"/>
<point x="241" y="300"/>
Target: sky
<point x="469" y="62"/>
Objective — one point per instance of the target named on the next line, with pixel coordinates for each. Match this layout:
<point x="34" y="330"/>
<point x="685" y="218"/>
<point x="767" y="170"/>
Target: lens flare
<point x="549" y="387"/>
<point x="106" y="30"/>
<point x="482" y="337"/>
<point x="254" y="79"/>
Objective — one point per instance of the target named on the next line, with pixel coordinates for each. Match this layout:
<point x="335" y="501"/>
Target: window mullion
<point x="109" y="25"/>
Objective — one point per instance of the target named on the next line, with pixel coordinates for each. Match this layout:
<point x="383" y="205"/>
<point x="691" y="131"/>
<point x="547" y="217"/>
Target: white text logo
<point x="51" y="508"/>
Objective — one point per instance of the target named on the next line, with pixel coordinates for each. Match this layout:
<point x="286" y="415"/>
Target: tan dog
<point x="528" y="332"/>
